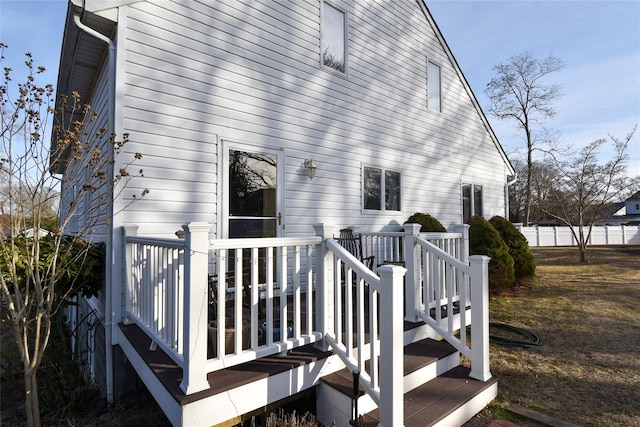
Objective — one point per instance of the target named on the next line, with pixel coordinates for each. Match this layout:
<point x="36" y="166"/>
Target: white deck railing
<point x="264" y="288"/>
<point x="155" y="289"/>
<point x="173" y="297"/>
<point x="448" y="295"/>
<point x="270" y="289"/>
<point x="388" y="247"/>
<point x="358" y="327"/>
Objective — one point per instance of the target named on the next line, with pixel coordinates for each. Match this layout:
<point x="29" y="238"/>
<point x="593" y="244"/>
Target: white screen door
<point x="252" y="205"/>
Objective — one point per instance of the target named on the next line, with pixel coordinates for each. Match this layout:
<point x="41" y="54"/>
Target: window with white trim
<point x="333" y="40"/>
<point x="471" y="201"/>
<point x="434" y="87"/>
<point x="382" y="189"/>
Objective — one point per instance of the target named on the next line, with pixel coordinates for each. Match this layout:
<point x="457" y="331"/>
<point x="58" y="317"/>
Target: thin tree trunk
<point x="583" y="253"/>
<point x="527" y="201"/>
<point x="582" y="243"/>
<point x="32" y="404"/>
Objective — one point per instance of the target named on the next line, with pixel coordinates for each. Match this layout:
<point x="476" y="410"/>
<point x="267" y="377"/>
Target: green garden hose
<point x="524" y="338"/>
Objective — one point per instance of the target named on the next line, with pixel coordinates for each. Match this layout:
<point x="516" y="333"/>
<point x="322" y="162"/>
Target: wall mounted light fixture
<point x="311" y="168"/>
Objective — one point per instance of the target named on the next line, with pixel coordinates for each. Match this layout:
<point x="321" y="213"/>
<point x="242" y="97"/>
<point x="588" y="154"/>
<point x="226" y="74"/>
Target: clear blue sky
<point x="599" y="41"/>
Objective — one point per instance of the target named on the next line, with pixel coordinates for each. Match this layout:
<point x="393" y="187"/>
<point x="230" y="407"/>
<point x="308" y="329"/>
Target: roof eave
<point x="81" y="59"/>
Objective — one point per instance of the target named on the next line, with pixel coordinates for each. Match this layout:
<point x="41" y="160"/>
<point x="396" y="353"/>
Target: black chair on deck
<point x="353" y="244"/>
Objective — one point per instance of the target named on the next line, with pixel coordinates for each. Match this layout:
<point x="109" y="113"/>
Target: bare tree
<point x="585" y="187"/>
<point x="518" y="92"/>
<point x="38" y="271"/>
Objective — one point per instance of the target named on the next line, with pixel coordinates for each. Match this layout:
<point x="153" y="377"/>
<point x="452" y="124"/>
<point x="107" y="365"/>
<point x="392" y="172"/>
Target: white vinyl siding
<point x="88" y="215"/>
<point x="196" y="73"/>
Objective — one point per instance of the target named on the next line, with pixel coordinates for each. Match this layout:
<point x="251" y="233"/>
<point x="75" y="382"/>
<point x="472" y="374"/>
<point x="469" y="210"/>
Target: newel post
<point x="391" y="346"/>
<point x="325" y="287"/>
<point x="464" y="244"/>
<point x="127" y="262"/>
<point x="480" y="317"/>
<point x="412" y="279"/>
<point x="196" y="307"/>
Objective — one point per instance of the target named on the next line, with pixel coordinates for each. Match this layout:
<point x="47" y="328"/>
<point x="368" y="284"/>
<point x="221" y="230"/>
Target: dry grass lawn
<point x="588" y="316"/>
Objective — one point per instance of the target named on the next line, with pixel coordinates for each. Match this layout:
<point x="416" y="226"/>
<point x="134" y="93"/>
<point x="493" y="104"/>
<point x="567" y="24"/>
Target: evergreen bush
<point x="81" y="264"/>
<point x="524" y="264"/>
<point x="428" y="223"/>
<point x="484" y="239"/>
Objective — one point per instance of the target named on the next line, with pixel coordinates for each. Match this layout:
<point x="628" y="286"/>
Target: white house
<point x="628" y="212"/>
<point x="260" y="120"/>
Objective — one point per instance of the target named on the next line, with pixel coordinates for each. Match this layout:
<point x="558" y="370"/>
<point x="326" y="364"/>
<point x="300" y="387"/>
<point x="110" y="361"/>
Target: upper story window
<point x="333" y="47"/>
<point x="434" y="87"/>
<point x="381" y="189"/>
<point x="471" y="201"/>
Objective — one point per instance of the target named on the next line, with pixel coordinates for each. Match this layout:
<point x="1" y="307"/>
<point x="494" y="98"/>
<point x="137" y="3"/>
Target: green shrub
<point x="428" y="223"/>
<point x="524" y="264"/>
<point x="484" y="239"/>
<point x="80" y="265"/>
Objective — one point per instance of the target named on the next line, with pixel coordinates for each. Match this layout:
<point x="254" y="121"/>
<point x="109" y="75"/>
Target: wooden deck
<point x="432" y="402"/>
<point x="425" y="404"/>
<point x="446" y="399"/>
<point x="170" y="374"/>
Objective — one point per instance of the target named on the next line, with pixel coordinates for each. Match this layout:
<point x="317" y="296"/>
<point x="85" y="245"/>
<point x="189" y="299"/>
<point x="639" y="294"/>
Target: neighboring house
<point x="262" y="119"/>
<point x="625" y="213"/>
<point x="30" y="232"/>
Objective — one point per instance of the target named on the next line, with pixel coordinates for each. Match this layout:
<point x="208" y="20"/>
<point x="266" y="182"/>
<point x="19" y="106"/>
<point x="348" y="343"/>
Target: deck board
<point x="416" y="356"/>
<point x="433" y="401"/>
<point x="170" y="374"/>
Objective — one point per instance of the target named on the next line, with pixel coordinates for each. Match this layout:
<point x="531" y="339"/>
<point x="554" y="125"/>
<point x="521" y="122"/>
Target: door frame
<point x="222" y="217"/>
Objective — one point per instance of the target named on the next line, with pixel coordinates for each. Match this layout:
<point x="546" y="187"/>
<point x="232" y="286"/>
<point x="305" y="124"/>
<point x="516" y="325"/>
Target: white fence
<point x="600" y="235"/>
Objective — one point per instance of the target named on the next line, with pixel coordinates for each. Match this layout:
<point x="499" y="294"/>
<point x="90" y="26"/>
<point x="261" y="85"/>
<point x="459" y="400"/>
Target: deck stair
<point x="438" y="390"/>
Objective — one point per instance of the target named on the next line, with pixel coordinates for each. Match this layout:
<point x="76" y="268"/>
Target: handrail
<point x="263" y="242"/>
<point x="156" y="241"/>
<point x="441" y="289"/>
<point x="442" y="254"/>
<point x="385" y="319"/>
<point x="440" y="280"/>
<point x="168" y="294"/>
<point x="447" y="281"/>
<point x="387" y="246"/>
<point x="262" y="271"/>
<point x="153" y="263"/>
<point x="354" y="263"/>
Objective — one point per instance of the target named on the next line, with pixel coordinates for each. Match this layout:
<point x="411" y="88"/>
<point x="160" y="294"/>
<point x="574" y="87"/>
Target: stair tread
<point x="434" y="400"/>
<point x="416" y="355"/>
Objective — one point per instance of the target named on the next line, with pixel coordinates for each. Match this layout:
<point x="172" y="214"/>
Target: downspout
<point x="108" y="311"/>
<point x="506" y="195"/>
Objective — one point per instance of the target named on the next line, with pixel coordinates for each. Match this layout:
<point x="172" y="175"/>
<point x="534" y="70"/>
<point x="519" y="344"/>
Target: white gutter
<point x="108" y="311"/>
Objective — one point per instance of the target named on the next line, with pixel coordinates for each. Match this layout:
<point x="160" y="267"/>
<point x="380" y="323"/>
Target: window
<point x="333" y="40"/>
<point x="434" y="87"/>
<point x="391" y="191"/>
<point x="471" y="201"/>
<point x="374" y="186"/>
